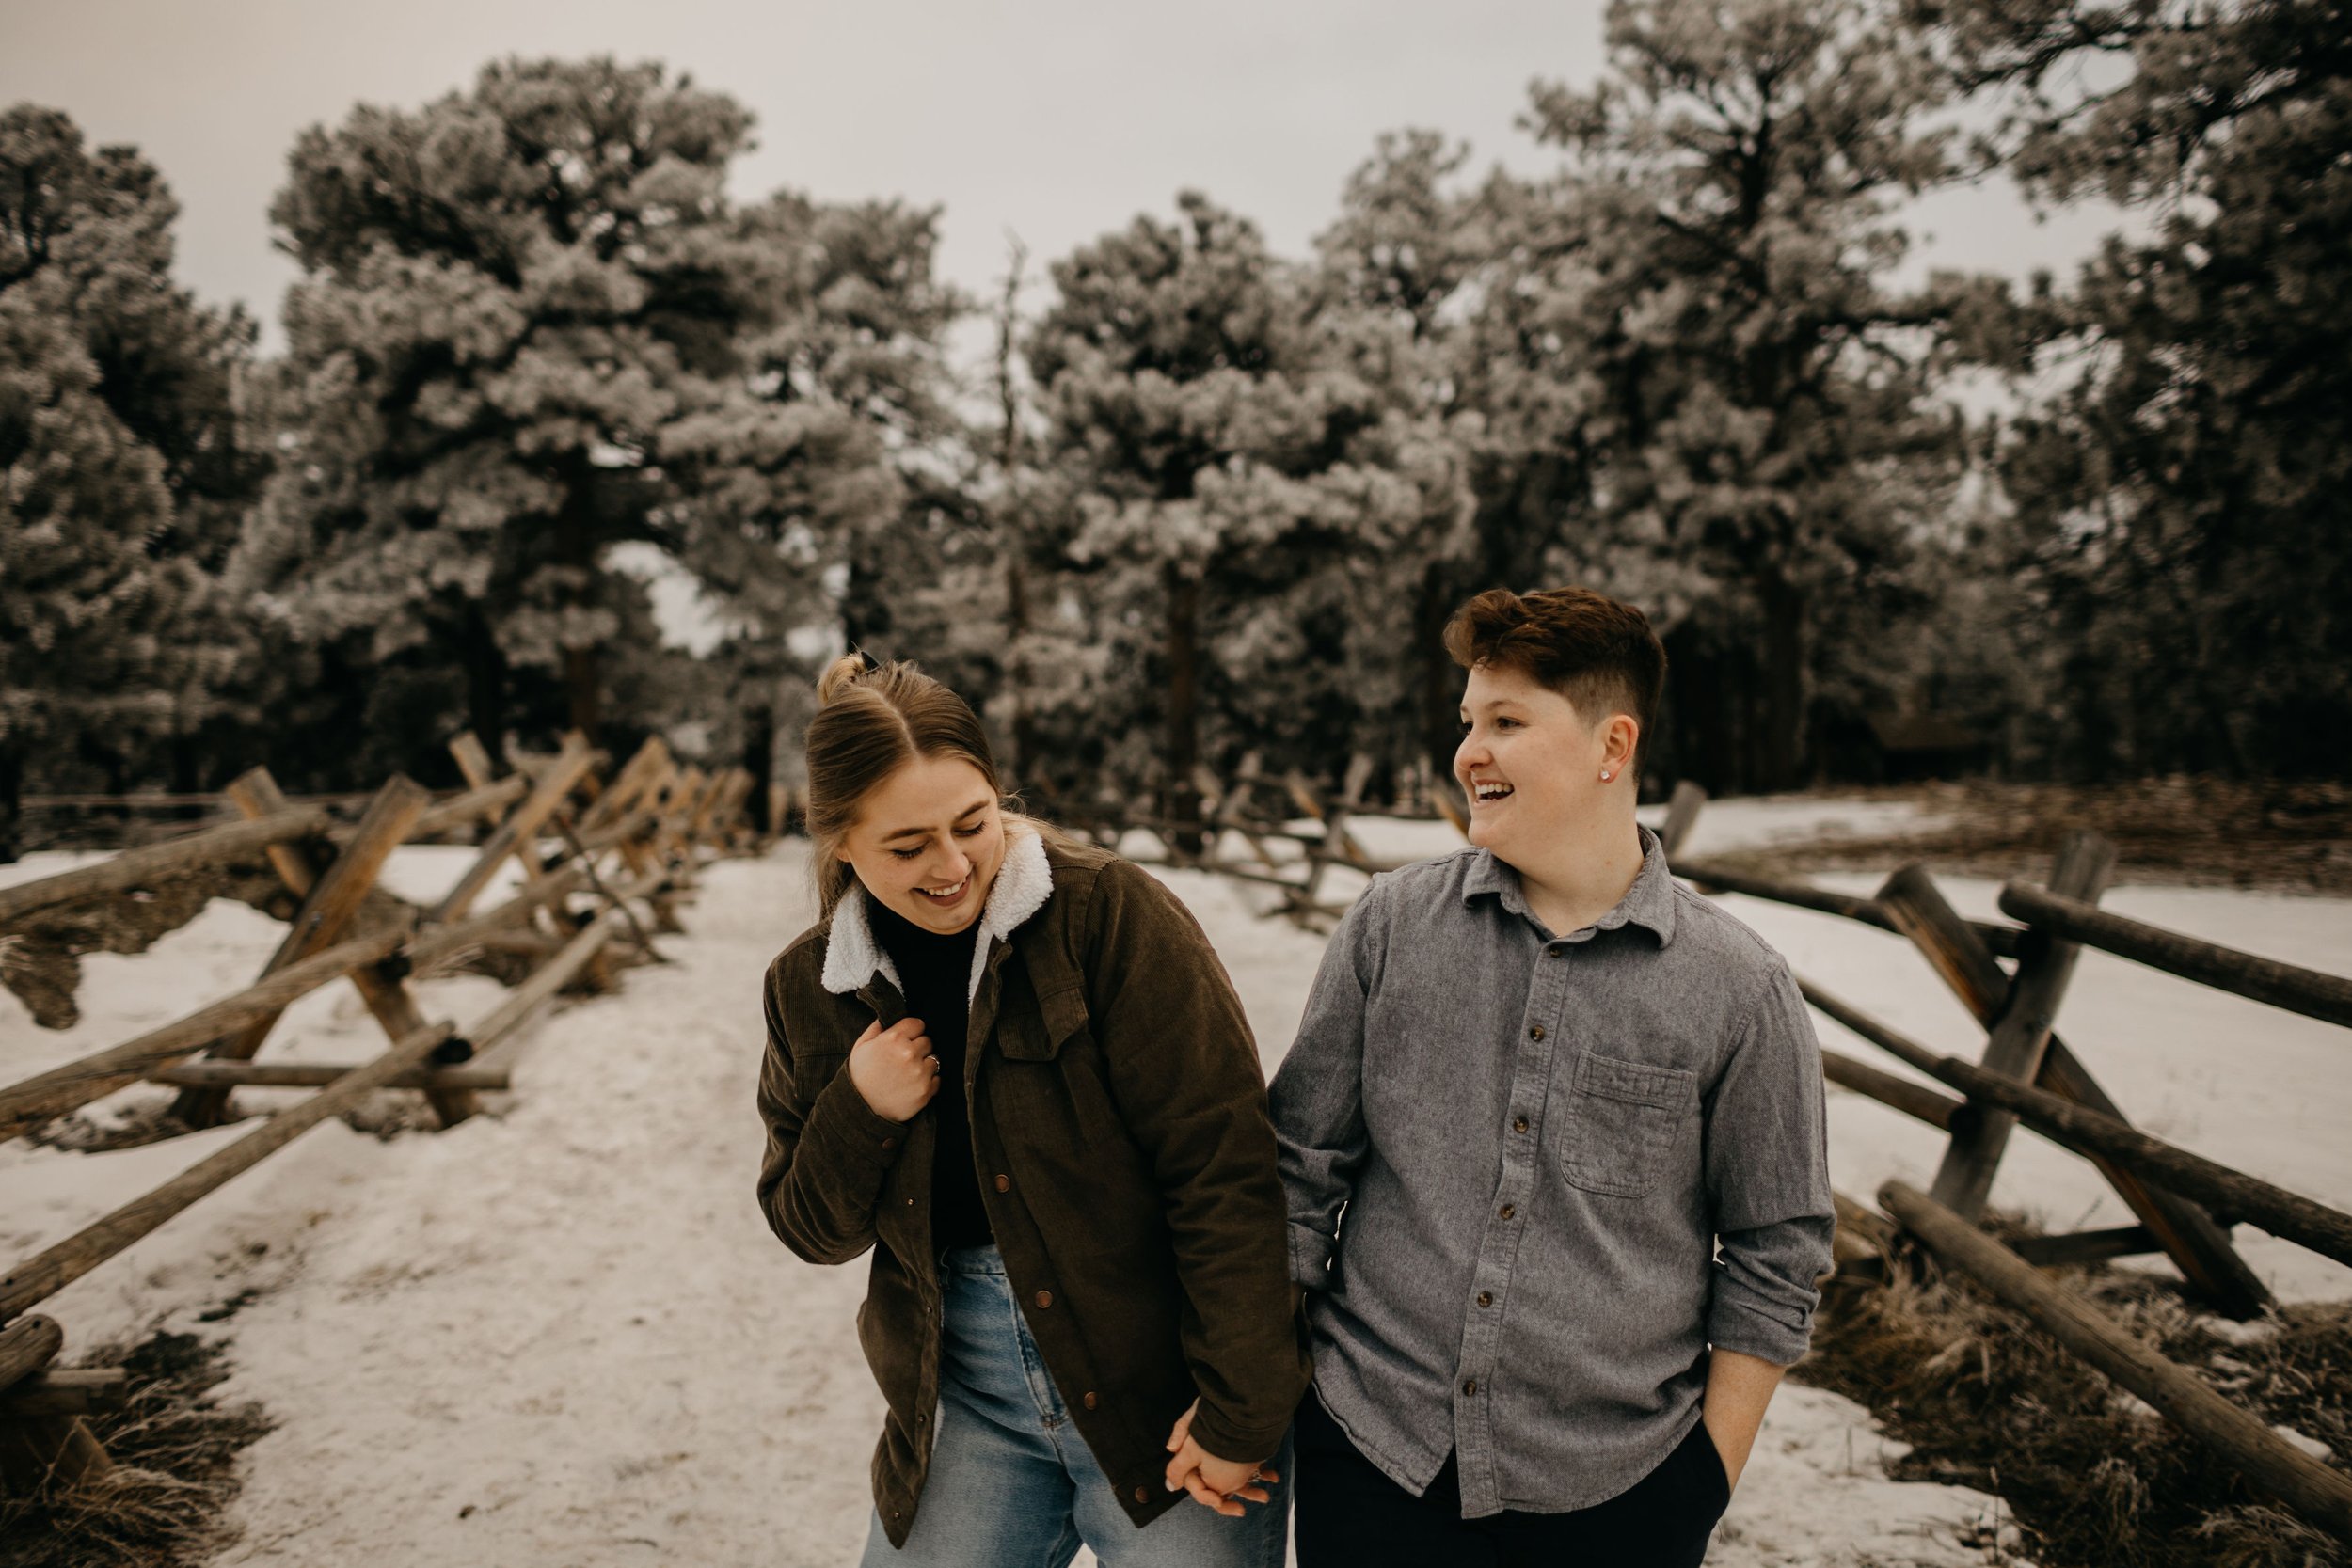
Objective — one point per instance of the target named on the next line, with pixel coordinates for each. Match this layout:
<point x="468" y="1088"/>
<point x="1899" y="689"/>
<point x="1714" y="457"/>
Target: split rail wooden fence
<point x="2185" y="1204"/>
<point x="637" y="839"/>
<point x="1290" y="831"/>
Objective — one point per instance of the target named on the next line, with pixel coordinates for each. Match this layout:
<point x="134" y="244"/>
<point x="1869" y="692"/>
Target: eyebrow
<point x="973" y="810"/>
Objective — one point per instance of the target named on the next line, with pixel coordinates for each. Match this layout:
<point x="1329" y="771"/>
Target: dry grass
<point x="2096" y="1479"/>
<point x="175" y="1450"/>
<point x="2195" y="831"/>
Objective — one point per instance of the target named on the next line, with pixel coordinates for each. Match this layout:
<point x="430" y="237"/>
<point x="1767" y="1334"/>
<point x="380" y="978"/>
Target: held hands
<point x="1223" y="1484"/>
<point x="893" y="1070"/>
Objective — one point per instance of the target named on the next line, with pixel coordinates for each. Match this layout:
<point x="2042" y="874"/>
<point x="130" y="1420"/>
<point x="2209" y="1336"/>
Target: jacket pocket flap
<point x="1027" y="1035"/>
<point x="1670" y="1089"/>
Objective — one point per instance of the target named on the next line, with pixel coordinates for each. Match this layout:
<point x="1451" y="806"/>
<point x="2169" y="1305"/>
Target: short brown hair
<point x="1597" y="652"/>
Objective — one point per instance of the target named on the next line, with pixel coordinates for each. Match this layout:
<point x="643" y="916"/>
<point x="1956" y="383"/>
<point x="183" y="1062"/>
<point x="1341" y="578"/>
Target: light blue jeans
<point x="1012" y="1484"/>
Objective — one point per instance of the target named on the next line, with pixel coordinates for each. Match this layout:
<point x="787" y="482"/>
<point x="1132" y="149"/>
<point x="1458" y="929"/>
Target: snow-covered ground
<point x="560" y="1334"/>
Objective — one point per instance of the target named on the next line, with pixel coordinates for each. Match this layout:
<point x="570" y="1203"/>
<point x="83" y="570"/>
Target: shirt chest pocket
<point x="1626" y="1123"/>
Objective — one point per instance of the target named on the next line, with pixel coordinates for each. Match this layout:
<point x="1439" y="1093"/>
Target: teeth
<point x="943" y="893"/>
<point x="1494" y="791"/>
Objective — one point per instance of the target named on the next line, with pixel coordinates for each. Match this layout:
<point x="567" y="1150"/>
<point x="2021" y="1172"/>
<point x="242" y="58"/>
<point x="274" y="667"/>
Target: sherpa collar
<point x="1024" y="882"/>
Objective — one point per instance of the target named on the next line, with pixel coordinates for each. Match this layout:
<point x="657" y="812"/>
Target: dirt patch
<point x="2187" y="831"/>
<point x="2096" y="1479"/>
<point x="175" y="1450"/>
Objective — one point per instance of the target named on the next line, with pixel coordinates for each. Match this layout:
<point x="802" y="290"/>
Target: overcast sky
<point x="1054" y="119"/>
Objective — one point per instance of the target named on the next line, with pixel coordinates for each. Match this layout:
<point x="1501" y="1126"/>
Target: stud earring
<point x="1605" y="775"/>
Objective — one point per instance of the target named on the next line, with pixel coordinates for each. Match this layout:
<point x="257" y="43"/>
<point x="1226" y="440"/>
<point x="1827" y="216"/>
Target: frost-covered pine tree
<point x="1224" y="453"/>
<point x="121" y="473"/>
<point x="1747" y="412"/>
<point x="528" y="335"/>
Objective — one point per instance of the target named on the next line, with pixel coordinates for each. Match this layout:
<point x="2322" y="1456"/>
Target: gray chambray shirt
<point x="1531" y="1179"/>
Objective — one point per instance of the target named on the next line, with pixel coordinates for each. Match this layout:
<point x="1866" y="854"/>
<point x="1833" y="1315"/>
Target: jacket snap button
<point x="1485" y="1298"/>
<point x="1090" y="1399"/>
<point x="1506" y="1211"/>
<point x="890" y="1143"/>
<point x="1519" y="1124"/>
<point x="1471" y="1387"/>
<point x="1141" y="1495"/>
<point x="1536" y="1032"/>
<point x="1004" y="1183"/>
<point x="1045" y="1298"/>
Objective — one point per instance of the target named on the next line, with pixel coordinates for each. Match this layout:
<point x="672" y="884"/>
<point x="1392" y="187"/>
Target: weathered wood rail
<point x="2027" y="1077"/>
<point x="659" y="821"/>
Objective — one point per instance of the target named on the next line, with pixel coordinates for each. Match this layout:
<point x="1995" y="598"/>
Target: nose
<point x="958" y="867"/>
<point x="1470" y="754"/>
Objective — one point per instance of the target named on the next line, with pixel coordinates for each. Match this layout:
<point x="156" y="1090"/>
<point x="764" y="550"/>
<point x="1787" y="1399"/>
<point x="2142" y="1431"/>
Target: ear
<point x="842" y="854"/>
<point x="1619" y="740"/>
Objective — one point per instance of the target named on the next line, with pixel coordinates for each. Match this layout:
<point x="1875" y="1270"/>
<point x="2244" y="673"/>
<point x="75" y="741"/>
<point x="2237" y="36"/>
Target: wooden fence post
<point x="1682" y="814"/>
<point x="36" y="1449"/>
<point x="326" y="908"/>
<point x="2199" y="1247"/>
<point x="520" y="828"/>
<point x="2020" y="1036"/>
<point x="388" y="1001"/>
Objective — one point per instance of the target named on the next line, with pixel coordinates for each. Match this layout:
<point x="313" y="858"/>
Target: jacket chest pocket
<point x="1625" y="1122"/>
<point x="1035" y="1034"/>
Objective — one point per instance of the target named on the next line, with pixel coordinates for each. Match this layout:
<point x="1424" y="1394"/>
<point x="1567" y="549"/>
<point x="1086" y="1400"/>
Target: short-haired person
<point x="1552" y="1132"/>
<point x="1010" y="1065"/>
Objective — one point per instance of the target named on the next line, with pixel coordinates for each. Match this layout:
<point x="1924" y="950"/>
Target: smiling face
<point x="1530" y="764"/>
<point x="928" y="842"/>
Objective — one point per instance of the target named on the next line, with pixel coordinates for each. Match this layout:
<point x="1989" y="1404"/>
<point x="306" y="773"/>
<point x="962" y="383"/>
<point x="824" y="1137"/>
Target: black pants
<point x="1351" y="1515"/>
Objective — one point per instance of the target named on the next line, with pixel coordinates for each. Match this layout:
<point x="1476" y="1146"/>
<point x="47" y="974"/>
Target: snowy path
<point x="560" y="1335"/>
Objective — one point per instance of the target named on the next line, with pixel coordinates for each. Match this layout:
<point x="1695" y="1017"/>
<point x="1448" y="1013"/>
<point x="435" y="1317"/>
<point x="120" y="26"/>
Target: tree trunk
<point x="11" y="798"/>
<point x="1441" y="702"/>
<point x="485" y="685"/>
<point x="1777" y="721"/>
<point x="1182" y="799"/>
<point x="759" y="761"/>
<point x="581" y="678"/>
<point x="577" y="539"/>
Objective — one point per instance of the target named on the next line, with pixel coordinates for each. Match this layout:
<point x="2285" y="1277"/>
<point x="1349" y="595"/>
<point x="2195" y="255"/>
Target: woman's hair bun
<point x="840" y="675"/>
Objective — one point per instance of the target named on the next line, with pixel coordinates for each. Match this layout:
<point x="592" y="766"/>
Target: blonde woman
<point x="1010" y="1066"/>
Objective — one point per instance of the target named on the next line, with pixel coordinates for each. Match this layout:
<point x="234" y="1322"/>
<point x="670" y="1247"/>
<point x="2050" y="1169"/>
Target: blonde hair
<point x="872" y="721"/>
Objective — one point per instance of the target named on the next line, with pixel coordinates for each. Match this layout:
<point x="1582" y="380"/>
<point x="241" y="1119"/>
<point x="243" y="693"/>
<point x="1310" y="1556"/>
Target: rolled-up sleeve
<point x="1318" y="1094"/>
<point x="1768" y="1181"/>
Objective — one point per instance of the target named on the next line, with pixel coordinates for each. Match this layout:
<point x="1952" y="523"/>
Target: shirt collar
<point x="1649" y="903"/>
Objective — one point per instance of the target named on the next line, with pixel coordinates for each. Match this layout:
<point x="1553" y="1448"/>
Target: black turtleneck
<point x="936" y="972"/>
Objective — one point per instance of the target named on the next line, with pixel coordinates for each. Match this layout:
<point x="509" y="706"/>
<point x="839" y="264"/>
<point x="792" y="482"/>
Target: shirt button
<point x="1088" y="1401"/>
<point x="1535" y="1033"/>
<point x="1485" y="1298"/>
<point x="1507" y="1211"/>
<point x="1519" y="1124"/>
<point x="1004" y="1183"/>
<point x="1141" y="1495"/>
<point x="1471" y="1387"/>
<point x="890" y="1143"/>
<point x="1045" y="1298"/>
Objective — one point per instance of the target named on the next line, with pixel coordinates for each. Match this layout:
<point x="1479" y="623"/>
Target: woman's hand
<point x="1223" y="1484"/>
<point x="893" y="1070"/>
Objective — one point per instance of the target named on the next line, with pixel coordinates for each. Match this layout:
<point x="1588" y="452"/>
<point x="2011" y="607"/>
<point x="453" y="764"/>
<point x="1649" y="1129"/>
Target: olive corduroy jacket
<point x="1124" y="1156"/>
